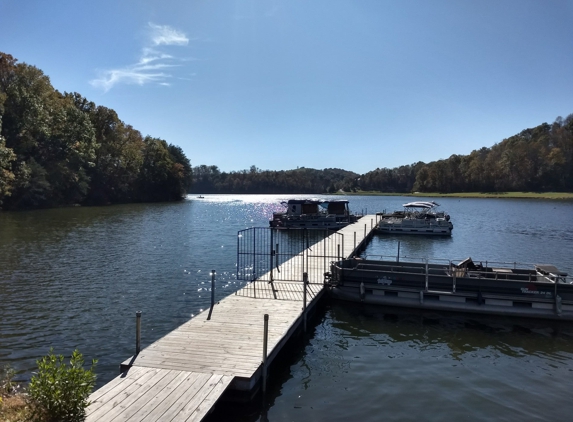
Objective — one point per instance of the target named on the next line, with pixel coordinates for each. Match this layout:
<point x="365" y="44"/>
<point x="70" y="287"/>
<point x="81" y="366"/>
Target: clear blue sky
<point x="279" y="84"/>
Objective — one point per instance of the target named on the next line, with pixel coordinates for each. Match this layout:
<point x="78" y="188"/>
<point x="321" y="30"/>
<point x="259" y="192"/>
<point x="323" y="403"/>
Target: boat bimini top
<point x="421" y="204"/>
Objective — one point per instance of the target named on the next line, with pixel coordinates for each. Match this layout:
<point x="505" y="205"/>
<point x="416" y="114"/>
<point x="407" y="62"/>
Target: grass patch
<point x="14" y="408"/>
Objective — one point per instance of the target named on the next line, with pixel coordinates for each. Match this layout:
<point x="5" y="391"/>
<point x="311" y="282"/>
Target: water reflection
<point x="461" y="333"/>
<point x="409" y="245"/>
<point x="362" y="361"/>
<point x="75" y="277"/>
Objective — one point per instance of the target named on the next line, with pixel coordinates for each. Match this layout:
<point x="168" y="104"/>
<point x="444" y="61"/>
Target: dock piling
<point x="212" y="294"/>
<point x="137" y="332"/>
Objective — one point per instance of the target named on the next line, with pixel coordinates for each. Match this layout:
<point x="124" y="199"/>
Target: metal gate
<point x="271" y="254"/>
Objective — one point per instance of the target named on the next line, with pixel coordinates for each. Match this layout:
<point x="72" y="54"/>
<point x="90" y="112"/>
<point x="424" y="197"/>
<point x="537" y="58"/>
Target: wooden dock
<point x="181" y="376"/>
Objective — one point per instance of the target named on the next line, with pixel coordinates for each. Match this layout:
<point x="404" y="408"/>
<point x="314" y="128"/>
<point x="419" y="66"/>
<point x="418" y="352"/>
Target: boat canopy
<point x="322" y="202"/>
<point x="421" y="204"/>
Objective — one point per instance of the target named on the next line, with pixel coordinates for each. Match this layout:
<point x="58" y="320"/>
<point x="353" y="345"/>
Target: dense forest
<point x="538" y="160"/>
<point x="61" y="149"/>
<point x="209" y="179"/>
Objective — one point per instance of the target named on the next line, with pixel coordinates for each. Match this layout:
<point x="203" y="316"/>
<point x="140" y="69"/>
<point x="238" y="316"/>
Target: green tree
<point x="160" y="178"/>
<point x="7" y="177"/>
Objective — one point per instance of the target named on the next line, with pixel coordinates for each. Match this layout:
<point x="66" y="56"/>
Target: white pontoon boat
<point x="416" y="218"/>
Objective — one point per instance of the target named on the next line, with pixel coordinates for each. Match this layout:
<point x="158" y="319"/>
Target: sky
<point x="281" y="84"/>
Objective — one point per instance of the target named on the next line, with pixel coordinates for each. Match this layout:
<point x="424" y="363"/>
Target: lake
<point x="74" y="278"/>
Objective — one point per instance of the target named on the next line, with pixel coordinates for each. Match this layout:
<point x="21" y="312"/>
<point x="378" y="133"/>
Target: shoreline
<point x="509" y="195"/>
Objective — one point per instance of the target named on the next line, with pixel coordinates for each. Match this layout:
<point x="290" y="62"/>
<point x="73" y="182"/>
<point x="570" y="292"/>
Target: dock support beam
<point x="137" y="332"/>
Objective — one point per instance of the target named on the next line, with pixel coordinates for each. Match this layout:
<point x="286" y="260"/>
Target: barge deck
<point x="537" y="291"/>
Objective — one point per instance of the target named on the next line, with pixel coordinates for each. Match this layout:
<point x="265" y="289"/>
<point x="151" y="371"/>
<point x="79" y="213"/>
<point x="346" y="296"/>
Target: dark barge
<point x="539" y="291"/>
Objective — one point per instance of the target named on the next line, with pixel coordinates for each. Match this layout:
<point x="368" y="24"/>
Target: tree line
<point x="537" y="159"/>
<point x="209" y="179"/>
<point x="61" y="149"/>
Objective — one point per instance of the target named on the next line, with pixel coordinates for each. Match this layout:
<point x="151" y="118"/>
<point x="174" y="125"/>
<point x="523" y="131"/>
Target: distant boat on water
<point x="417" y="218"/>
<point x="313" y="214"/>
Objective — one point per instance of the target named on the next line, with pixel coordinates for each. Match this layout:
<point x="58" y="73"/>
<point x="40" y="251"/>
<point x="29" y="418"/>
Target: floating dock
<point x="181" y="376"/>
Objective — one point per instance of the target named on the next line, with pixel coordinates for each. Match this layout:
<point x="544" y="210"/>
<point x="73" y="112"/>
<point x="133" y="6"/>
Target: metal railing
<point x="271" y="257"/>
<point x="510" y="271"/>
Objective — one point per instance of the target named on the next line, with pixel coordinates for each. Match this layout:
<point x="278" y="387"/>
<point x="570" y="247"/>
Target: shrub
<point x="60" y="392"/>
<point x="6" y="380"/>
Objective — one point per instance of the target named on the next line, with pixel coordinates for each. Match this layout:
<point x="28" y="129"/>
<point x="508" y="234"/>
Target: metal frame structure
<point x="271" y="255"/>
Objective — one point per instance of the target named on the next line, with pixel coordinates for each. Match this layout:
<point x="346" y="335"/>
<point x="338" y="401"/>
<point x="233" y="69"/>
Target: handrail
<point x="489" y="264"/>
<point x="424" y="269"/>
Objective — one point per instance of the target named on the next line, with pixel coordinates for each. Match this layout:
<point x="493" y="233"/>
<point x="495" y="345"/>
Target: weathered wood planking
<point x="182" y="375"/>
<point x="150" y="394"/>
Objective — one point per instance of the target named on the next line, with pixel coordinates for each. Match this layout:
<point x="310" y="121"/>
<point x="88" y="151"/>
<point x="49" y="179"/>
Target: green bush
<point x="60" y="392"/>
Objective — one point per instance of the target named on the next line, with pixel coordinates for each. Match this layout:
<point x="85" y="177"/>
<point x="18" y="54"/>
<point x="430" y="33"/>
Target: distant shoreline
<point x="512" y="195"/>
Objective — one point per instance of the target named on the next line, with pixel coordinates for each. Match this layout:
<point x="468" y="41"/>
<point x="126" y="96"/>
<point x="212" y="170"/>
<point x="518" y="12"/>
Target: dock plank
<point x="119" y="402"/>
<point x="171" y="405"/>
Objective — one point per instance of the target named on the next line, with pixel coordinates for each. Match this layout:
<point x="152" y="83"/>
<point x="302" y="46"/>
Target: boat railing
<point x="511" y="271"/>
<point x="425" y="274"/>
<point x="486" y="264"/>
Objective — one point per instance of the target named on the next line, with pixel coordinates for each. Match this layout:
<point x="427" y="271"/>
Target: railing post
<point x="272" y="254"/>
<point x="305" y="283"/>
<point x="277" y="257"/>
<point x="212" y="294"/>
<point x="137" y="332"/>
<point x="427" y="275"/>
<point x="254" y="252"/>
<point x="338" y="253"/>
<point x="265" y="342"/>
<point x="398" y="256"/>
<point x="364" y="231"/>
<point x="354" y="251"/>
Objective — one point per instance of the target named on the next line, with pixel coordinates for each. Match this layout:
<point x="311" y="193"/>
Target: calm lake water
<point x="74" y="278"/>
